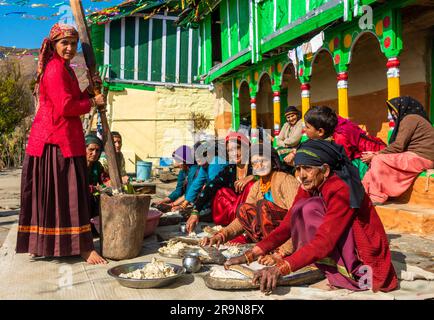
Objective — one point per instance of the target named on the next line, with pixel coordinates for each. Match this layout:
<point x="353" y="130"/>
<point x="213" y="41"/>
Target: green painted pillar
<point x="283" y="105"/>
<point x="235" y="107"/>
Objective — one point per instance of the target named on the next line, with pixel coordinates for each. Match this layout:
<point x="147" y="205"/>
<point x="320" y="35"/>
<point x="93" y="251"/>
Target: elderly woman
<point x="411" y="151"/>
<point x="332" y="223"/>
<point x="291" y="132"/>
<point x="95" y="171"/>
<point x="268" y="201"/>
<point x="230" y="187"/>
<point x="184" y="159"/>
<point x="54" y="217"/>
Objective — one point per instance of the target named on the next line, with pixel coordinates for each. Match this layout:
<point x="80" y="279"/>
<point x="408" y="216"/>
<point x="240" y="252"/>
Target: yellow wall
<point x="153" y="123"/>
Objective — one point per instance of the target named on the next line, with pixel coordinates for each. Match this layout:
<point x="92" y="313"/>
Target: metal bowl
<point x="143" y="283"/>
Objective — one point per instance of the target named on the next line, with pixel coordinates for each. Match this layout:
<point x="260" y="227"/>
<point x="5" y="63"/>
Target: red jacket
<point x="61" y="103"/>
<point x="369" y="235"/>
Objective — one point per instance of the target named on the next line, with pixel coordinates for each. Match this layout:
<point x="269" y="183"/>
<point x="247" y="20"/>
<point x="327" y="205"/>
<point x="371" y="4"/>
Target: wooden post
<point x="305" y="97"/>
<point x="254" y="121"/>
<point x="343" y="94"/>
<point x="89" y="56"/>
<point x="276" y="113"/>
<point x="393" y="83"/>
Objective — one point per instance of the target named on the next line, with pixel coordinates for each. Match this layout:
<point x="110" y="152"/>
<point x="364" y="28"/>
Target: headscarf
<point x="293" y="109"/>
<point x="404" y="106"/>
<point x="91" y="138"/>
<point x="184" y="154"/>
<point x="116" y="134"/>
<point x="318" y="152"/>
<point x="236" y="136"/>
<point x="57" y="32"/>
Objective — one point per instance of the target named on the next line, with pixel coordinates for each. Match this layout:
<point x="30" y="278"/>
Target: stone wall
<point x="154" y="123"/>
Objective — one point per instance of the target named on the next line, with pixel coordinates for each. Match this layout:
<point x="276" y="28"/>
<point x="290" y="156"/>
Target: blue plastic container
<point x="165" y="162"/>
<point x="143" y="170"/>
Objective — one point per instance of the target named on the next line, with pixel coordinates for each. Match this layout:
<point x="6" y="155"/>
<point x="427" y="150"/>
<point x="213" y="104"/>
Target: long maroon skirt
<point x="55" y="210"/>
<point x="342" y="267"/>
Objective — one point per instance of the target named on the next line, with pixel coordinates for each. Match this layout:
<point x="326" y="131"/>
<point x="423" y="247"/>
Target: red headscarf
<point x="235" y="136"/>
<point x="57" y="32"/>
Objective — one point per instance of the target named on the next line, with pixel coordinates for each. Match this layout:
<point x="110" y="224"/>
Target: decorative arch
<point x="316" y="56"/>
<point x="356" y="40"/>
<point x="243" y="81"/>
<point x="287" y="65"/>
<point x="263" y="73"/>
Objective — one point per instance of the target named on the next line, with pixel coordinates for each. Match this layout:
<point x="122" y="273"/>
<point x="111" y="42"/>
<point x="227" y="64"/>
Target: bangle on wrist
<point x="194" y="213"/>
<point x="249" y="257"/>
<point x="284" y="267"/>
<point x="220" y="234"/>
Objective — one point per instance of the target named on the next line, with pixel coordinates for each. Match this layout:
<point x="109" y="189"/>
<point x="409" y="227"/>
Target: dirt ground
<point x="9" y="200"/>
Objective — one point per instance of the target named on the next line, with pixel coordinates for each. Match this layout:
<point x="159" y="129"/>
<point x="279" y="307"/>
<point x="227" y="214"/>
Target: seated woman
<point x="229" y="188"/>
<point x="97" y="175"/>
<point x="268" y="201"/>
<point x="291" y="132"/>
<point x="184" y="159"/>
<point x="332" y="223"/>
<point x="210" y="165"/>
<point x="356" y="141"/>
<point x="411" y="151"/>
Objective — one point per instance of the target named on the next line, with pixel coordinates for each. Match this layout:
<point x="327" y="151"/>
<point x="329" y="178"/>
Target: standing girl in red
<point x="55" y="208"/>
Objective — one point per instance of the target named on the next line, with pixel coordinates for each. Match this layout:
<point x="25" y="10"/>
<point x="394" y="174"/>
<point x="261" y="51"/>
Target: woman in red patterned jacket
<point x="55" y="210"/>
<point x="332" y="223"/>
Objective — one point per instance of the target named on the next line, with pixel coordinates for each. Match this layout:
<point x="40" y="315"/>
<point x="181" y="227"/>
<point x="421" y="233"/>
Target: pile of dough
<point x="220" y="272"/>
<point x="234" y="250"/>
<point x="155" y="270"/>
<point x="173" y="247"/>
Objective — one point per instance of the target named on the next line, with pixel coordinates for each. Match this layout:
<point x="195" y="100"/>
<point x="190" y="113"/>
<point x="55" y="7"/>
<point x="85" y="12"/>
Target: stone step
<point x="407" y="218"/>
<point x="421" y="193"/>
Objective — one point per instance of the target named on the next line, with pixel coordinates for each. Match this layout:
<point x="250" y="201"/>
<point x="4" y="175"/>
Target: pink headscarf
<point x="57" y="32"/>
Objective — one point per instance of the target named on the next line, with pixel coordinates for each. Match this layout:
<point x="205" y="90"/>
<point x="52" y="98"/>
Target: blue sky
<point x="19" y="24"/>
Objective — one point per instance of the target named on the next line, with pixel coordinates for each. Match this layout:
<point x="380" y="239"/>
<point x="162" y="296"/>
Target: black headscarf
<point x="318" y="152"/>
<point x="92" y="138"/>
<point x="293" y="109"/>
<point x="116" y="134"/>
<point x="404" y="106"/>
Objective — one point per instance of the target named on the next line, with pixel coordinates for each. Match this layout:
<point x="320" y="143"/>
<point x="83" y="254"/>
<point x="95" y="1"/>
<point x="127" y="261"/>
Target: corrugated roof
<point x="195" y="11"/>
<point x="131" y="7"/>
